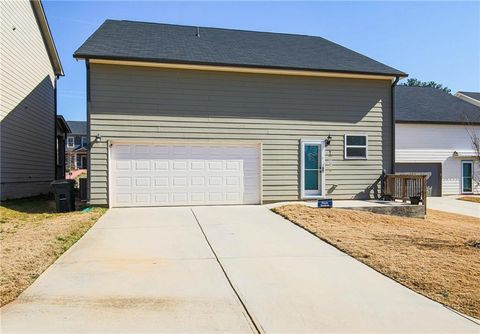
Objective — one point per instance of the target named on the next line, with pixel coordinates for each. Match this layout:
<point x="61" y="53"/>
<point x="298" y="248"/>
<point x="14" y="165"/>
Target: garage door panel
<point x="157" y="175"/>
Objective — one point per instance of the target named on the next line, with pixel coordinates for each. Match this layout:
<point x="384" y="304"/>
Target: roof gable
<point x="47" y="36"/>
<point x="155" y="42"/>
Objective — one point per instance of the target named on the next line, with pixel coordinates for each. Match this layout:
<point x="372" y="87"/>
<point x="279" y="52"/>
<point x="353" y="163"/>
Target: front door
<point x="312" y="173"/>
<point x="84" y="161"/>
<point x="467" y="176"/>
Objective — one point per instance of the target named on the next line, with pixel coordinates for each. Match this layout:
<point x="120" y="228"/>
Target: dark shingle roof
<point x="157" y="42"/>
<point x="431" y="105"/>
<point x="473" y="95"/>
<point x="78" y="127"/>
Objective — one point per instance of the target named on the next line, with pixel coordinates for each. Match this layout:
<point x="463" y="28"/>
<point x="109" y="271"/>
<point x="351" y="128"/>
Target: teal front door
<point x="467" y="176"/>
<point x="312" y="173"/>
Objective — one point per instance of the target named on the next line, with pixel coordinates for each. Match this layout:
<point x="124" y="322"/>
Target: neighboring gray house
<point x="30" y="67"/>
<point x="77" y="146"/>
<point x="433" y="136"/>
<point x="470" y="97"/>
<point x="181" y="115"/>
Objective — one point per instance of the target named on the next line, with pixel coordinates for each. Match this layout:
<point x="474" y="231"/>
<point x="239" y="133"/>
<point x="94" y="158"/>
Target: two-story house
<point x="30" y="67"/>
<point x="76" y="146"/>
<point x="186" y="115"/>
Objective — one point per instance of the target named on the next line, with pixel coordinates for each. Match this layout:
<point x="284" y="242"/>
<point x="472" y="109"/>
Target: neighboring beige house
<point x="181" y="115"/>
<point x="29" y="70"/>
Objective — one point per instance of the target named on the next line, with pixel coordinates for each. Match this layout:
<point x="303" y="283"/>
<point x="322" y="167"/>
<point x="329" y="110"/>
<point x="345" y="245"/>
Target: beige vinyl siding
<point x="139" y="103"/>
<point x="27" y="107"/>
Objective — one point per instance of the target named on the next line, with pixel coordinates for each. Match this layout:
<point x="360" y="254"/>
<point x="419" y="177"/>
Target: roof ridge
<point x="218" y="28"/>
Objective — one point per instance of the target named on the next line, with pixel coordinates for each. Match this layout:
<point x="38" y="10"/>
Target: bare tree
<point x="474" y="135"/>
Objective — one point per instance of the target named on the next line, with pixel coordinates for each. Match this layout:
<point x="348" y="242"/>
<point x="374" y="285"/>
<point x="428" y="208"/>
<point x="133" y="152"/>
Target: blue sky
<point x="437" y="41"/>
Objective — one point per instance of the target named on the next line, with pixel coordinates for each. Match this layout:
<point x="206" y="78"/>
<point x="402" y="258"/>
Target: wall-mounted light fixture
<point x="328" y="140"/>
<point x="98" y="137"/>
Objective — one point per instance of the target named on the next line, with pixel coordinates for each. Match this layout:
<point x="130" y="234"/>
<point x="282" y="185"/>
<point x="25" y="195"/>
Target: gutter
<point x="89" y="165"/>
<point x="392" y="100"/>
<point x="55" y="148"/>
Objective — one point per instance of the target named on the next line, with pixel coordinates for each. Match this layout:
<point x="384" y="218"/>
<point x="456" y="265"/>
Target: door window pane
<point x="467" y="169"/>
<point x="467" y="184"/>
<point x="311" y="180"/>
<point x="311" y="156"/>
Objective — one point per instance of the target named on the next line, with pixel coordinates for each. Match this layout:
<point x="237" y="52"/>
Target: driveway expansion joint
<point x="253" y="323"/>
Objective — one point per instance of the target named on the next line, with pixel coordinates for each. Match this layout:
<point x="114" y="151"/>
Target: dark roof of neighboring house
<point x="431" y="105"/>
<point x="473" y="95"/>
<point x="47" y="36"/>
<point x="78" y="127"/>
<point x="156" y="42"/>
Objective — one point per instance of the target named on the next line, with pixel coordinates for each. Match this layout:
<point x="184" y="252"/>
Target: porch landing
<point x="375" y="206"/>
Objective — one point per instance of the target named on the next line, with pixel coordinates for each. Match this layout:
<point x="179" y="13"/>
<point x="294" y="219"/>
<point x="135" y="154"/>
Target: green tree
<point x="417" y="83"/>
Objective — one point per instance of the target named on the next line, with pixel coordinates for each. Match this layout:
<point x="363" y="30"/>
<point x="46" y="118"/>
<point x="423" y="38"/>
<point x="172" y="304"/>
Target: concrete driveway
<point x="216" y="269"/>
<point x="453" y="205"/>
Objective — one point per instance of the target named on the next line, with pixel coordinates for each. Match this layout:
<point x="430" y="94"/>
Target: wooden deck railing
<point x="406" y="187"/>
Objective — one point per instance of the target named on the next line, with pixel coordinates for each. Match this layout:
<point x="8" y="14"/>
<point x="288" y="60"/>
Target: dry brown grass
<point x="32" y="237"/>
<point x="438" y="257"/>
<point x="474" y="199"/>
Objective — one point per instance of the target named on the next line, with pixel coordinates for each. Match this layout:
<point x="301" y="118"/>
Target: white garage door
<point x="159" y="175"/>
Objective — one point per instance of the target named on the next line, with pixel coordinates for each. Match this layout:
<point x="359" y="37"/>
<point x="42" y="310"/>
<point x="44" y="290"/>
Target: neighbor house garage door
<point x="432" y="170"/>
<point x="160" y="175"/>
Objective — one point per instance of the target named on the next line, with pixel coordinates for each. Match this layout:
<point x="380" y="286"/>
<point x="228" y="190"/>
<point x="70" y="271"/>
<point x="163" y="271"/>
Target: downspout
<point x="392" y="99"/>
<point x="89" y="146"/>
<point x="55" y="148"/>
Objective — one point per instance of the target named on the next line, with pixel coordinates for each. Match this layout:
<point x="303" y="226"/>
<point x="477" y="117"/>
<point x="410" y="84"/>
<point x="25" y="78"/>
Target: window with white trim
<point x="70" y="142"/>
<point x="84" y="141"/>
<point x="356" y="146"/>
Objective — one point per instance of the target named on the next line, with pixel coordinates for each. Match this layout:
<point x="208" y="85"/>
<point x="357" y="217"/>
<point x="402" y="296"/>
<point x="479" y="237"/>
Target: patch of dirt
<point x="435" y="256"/>
<point x="32" y="237"/>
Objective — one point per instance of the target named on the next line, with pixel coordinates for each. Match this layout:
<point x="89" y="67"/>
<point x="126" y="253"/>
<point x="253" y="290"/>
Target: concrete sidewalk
<point x="453" y="205"/>
<point x="290" y="281"/>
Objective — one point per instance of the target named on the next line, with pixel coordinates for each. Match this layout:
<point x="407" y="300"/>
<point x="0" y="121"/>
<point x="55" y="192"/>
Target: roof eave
<point x="76" y="55"/>
<point x="63" y="123"/>
<point x="437" y="122"/>
<point x="47" y="37"/>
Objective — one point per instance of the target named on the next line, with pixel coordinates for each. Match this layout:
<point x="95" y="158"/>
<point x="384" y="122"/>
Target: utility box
<point x="82" y="186"/>
<point x="64" y="191"/>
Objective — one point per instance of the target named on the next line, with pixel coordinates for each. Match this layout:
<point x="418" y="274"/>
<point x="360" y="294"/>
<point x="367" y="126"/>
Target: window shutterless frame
<point x="70" y="142"/>
<point x="346" y="146"/>
<point x="320" y="169"/>
<point x="467" y="176"/>
<point x="84" y="141"/>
